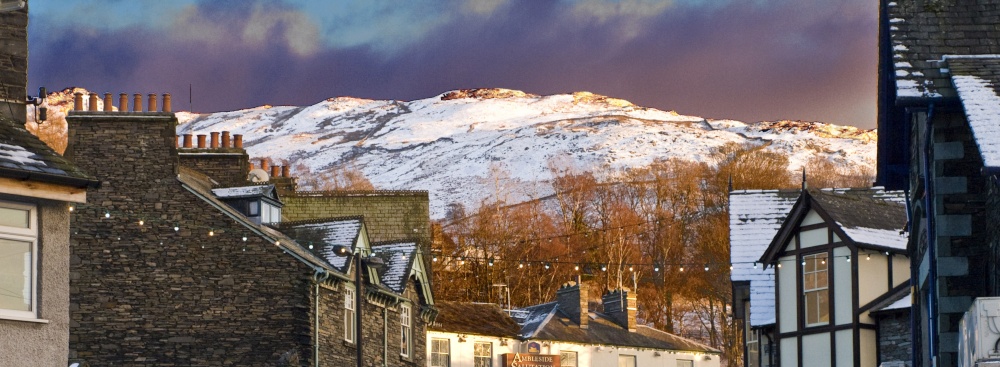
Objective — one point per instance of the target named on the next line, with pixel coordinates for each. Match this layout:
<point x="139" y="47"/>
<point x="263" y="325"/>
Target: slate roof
<point x="923" y="32"/>
<point x="546" y="322"/>
<point x="23" y="156"/>
<point x="197" y="183"/>
<point x="398" y="258"/>
<point x="325" y="235"/>
<point x="474" y="318"/>
<point x="977" y="81"/>
<point x="866" y="220"/>
<point x="754" y="218"/>
<point x="244" y="191"/>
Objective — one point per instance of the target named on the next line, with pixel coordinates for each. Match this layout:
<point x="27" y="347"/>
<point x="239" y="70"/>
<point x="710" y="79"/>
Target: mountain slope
<point x="448" y="144"/>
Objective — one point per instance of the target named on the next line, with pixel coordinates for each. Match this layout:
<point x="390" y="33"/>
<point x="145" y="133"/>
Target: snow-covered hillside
<point x="448" y="144"/>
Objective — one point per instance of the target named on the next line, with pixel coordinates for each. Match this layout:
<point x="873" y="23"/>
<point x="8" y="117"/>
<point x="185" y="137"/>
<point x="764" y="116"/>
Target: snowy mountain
<point x="450" y="143"/>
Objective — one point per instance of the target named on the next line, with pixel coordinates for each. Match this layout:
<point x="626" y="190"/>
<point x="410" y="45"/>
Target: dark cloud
<point x="806" y="60"/>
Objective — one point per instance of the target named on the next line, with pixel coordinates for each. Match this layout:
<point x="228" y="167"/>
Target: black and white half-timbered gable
<point x="839" y="255"/>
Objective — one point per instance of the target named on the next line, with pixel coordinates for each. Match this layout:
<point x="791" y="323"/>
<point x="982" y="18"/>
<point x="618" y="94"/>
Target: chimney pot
<point x="166" y="102"/>
<point x="275" y="171"/>
<point x="177" y="142"/>
<point x="152" y="103"/>
<point x="93" y="102"/>
<point x="251" y="166"/>
<point x="201" y="141"/>
<point x="123" y="102"/>
<point x="238" y="141"/>
<point x="107" y="102"/>
<point x="215" y="140"/>
<point x="77" y="101"/>
<point x="188" y="141"/>
<point x="264" y="164"/>
<point x="285" y="171"/>
<point x="225" y="140"/>
<point x="137" y="102"/>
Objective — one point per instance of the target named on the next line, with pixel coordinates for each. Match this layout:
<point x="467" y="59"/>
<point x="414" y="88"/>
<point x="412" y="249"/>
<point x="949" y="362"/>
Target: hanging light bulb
<point x="604" y="268"/>
<point x="547" y="266"/>
<point x="107" y="215"/>
<point x="434" y="259"/>
<point x="848" y="258"/>
<point x="310" y="246"/>
<point x="141" y="222"/>
<point x="491" y="262"/>
<point x="211" y="232"/>
<point x="868" y="256"/>
<point x="706" y="267"/>
<point x="277" y="243"/>
<point x="520" y="265"/>
<point x="730" y="266"/>
<point x="755" y="265"/>
<point x="244" y="238"/>
<point x="656" y="268"/>
<point x="70" y="208"/>
<point x="176" y="228"/>
<point x="823" y="261"/>
<point x="630" y="268"/>
<point x="576" y="267"/>
<point x="461" y="261"/>
<point x="779" y="265"/>
<point x="682" y="268"/>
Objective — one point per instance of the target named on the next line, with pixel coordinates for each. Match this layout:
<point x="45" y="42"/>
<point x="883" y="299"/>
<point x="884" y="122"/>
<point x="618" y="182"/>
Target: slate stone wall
<point x="229" y="167"/>
<point x="894" y="338"/>
<point x="335" y="351"/>
<point x="14" y="63"/>
<point x="152" y="296"/>
<point x="389" y="215"/>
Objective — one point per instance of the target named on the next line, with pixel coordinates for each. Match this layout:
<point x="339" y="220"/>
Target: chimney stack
<point x="137" y="103"/>
<point x="107" y="102"/>
<point x="572" y="300"/>
<point x="123" y="102"/>
<point x="77" y="101"/>
<point x="620" y="305"/>
<point x="215" y="140"/>
<point x="166" y="102"/>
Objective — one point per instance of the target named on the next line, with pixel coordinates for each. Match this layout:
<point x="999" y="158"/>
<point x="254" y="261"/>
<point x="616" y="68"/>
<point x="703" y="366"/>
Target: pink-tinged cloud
<point x="745" y="60"/>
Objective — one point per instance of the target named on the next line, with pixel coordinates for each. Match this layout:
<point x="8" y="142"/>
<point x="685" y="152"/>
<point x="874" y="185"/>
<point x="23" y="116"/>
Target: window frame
<point x="752" y="341"/>
<point x="30" y="236"/>
<point x="405" y="329"/>
<point x="634" y="360"/>
<point x="435" y="342"/>
<point x="816" y="260"/>
<point x="350" y="315"/>
<point x="476" y="358"/>
<point x="690" y="362"/>
<point x="576" y="358"/>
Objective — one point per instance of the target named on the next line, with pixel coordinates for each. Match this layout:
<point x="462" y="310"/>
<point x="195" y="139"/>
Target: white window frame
<point x="30" y="235"/>
<point x="563" y="362"/>
<point x="405" y="329"/>
<point x="752" y="340"/>
<point x="446" y="353"/>
<point x="350" y="330"/>
<point x="685" y="363"/>
<point x="815" y="264"/>
<point x="482" y="360"/>
<point x="628" y="359"/>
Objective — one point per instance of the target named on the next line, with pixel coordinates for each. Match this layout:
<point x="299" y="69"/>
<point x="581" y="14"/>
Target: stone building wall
<point x="894" y="337"/>
<point x="152" y="296"/>
<point x="389" y="215"/>
<point x="14" y="64"/>
<point x="335" y="351"/>
<point x="229" y="167"/>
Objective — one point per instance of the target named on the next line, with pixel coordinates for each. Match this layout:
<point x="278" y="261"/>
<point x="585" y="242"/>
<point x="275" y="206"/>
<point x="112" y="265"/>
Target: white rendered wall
<point x="812" y="218"/>
<point x="789" y="352"/>
<point x="843" y="287"/>
<point x="873" y="276"/>
<point x="845" y="348"/>
<point x="900" y="270"/>
<point x="816" y="350"/>
<point x="462" y="353"/>
<point x="788" y="294"/>
<point x="814" y="237"/>
<point x="869" y="357"/>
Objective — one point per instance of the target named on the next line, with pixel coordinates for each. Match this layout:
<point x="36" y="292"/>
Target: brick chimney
<point x="572" y="301"/>
<point x="14" y="69"/>
<point x="620" y="305"/>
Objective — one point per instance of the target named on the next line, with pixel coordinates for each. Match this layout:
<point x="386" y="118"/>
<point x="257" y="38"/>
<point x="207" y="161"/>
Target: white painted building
<point x="559" y="333"/>
<point x="838" y="257"/>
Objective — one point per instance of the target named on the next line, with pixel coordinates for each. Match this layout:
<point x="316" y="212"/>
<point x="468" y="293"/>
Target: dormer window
<point x="259" y="203"/>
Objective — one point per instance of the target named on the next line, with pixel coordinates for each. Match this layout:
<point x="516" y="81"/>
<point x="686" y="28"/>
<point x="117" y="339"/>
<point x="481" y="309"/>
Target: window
<point x="685" y="363"/>
<point x="270" y="213"/>
<point x="18" y="260"/>
<point x="483" y="352"/>
<point x="253" y="209"/>
<point x="753" y="347"/>
<point x="626" y="361"/>
<point x="814" y="289"/>
<point x="440" y="353"/>
<point x="349" y="314"/>
<point x="567" y="359"/>
<point x="404" y="329"/>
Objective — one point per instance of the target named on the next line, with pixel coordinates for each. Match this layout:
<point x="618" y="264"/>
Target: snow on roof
<point x="894" y="238"/>
<point x="905" y="302"/>
<point x="398" y="258"/>
<point x="534" y="317"/>
<point x="242" y="191"/>
<point x="982" y="105"/>
<point x="327" y="236"/>
<point x="754" y="218"/>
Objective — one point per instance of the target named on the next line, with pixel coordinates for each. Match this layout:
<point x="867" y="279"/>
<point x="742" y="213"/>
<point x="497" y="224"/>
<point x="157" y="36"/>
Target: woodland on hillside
<point x="661" y="230"/>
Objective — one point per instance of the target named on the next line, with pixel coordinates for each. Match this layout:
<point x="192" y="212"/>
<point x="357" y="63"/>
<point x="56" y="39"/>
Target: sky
<point x="749" y="60"/>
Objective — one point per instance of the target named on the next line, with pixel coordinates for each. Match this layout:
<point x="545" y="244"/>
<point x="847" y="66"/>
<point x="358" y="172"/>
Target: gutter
<point x="931" y="237"/>
<point x="49" y="178"/>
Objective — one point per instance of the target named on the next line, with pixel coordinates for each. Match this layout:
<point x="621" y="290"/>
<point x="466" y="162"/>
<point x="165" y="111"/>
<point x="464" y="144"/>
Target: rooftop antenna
<point x="730" y="182"/>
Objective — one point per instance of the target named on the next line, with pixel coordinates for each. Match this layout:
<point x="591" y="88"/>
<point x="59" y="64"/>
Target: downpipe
<point x="932" y="295"/>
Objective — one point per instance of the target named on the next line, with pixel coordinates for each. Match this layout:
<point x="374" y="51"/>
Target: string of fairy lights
<point x="549" y="262"/>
